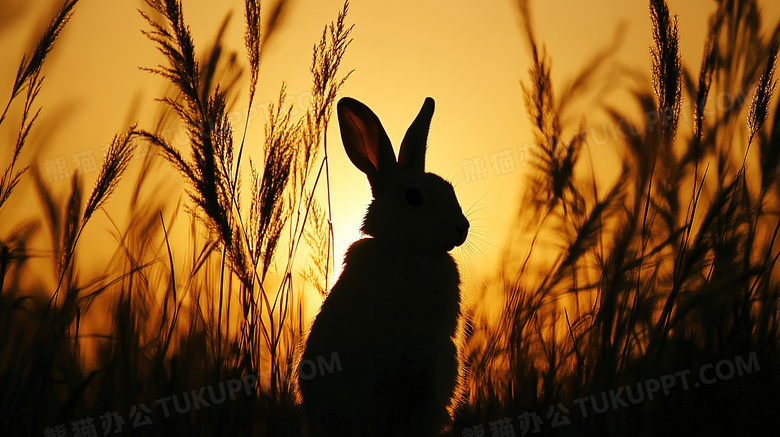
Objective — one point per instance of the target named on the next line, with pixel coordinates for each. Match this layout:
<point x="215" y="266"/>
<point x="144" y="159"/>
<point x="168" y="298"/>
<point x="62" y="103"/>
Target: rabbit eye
<point x="413" y="197"/>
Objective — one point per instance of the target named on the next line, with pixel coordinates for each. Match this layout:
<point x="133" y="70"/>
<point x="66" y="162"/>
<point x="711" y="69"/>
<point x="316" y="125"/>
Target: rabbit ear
<point x="365" y="140"/>
<point x="412" y="153"/>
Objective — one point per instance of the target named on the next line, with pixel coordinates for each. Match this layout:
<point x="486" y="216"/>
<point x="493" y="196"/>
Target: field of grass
<point x="646" y="307"/>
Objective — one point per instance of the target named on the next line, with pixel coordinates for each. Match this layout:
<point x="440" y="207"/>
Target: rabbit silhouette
<point x="391" y="318"/>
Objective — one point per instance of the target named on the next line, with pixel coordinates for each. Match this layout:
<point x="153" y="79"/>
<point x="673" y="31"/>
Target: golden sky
<point x="468" y="55"/>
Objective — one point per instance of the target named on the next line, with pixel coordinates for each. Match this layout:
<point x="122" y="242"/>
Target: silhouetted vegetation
<point x="172" y="329"/>
<point x="667" y="270"/>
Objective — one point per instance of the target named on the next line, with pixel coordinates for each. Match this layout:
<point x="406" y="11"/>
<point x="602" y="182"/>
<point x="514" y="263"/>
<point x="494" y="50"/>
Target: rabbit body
<point x="398" y="359"/>
<point x="391" y="318"/>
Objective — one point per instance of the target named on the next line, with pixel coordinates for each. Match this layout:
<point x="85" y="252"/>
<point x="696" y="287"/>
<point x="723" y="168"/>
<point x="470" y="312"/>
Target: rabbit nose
<point x="463" y="230"/>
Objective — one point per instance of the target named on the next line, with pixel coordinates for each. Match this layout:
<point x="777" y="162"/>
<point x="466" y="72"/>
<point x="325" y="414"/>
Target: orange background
<point x="468" y="55"/>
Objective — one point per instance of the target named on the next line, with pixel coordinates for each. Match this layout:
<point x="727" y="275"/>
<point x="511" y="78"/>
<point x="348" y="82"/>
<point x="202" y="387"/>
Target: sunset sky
<point x="468" y="55"/>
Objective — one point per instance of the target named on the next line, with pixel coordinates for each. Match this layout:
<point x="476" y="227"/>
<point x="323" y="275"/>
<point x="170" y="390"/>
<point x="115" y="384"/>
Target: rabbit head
<point x="410" y="207"/>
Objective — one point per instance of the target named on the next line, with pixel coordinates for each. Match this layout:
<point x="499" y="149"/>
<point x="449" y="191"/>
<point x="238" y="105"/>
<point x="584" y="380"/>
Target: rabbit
<point x="389" y="325"/>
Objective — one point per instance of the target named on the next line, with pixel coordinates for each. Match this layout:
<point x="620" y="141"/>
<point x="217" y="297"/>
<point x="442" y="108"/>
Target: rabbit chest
<point x="400" y="307"/>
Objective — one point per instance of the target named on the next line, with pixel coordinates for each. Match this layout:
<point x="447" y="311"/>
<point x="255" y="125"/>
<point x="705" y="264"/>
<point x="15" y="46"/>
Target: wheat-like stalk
<point x="667" y="69"/>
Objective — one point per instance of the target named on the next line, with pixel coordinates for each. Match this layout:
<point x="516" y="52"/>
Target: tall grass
<point x="668" y="269"/>
<point x="226" y="313"/>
